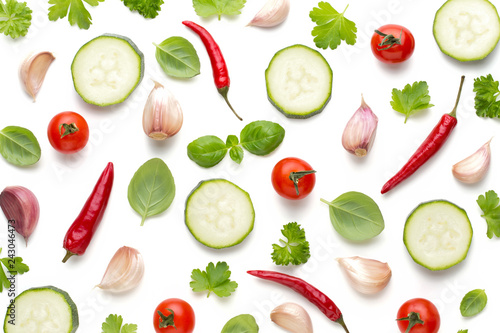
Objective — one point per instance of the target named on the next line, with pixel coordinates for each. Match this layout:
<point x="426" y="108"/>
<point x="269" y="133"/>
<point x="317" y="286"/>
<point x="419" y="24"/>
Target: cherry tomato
<point x="392" y="44"/>
<point x="293" y="178"/>
<point x="427" y="312"/>
<point x="68" y="132"/>
<point x="174" y="311"/>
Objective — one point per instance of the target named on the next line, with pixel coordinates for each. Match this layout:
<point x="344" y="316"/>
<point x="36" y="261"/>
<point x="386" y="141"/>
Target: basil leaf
<point x="19" y="146"/>
<point x="356" y="216"/>
<point x="231" y="141"/>
<point x="178" y="58"/>
<point x="152" y="189"/>
<point x="244" y="323"/>
<point x="473" y="302"/>
<point x="236" y="154"/>
<point x="207" y="151"/>
<point x="261" y="137"/>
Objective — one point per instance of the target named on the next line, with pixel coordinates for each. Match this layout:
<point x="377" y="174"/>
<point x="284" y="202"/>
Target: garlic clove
<point x="33" y="71"/>
<point x="473" y="168"/>
<point x="292" y="317"/>
<point x="367" y="276"/>
<point x="124" y="272"/>
<point x="272" y="14"/>
<point x="162" y="117"/>
<point x="360" y="131"/>
<point x="21" y="209"/>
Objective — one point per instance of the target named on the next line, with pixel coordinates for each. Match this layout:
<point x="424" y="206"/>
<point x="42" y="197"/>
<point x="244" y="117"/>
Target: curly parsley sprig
<point x="15" y="18"/>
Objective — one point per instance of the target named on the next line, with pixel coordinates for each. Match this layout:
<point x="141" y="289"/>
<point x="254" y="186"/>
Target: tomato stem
<point x="296" y="175"/>
<point x="413" y="319"/>
<point x="68" y="129"/>
<point x="389" y="40"/>
<point x="166" y="321"/>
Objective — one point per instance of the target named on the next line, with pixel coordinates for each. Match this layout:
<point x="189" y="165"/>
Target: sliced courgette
<point x="43" y="309"/>
<point x="219" y="214"/>
<point x="107" y="69"/>
<point x="299" y="81"/>
<point x="438" y="234"/>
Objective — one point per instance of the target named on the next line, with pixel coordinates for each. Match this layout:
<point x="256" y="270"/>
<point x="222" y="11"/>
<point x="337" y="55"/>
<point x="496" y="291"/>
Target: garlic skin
<point x="292" y="317"/>
<point x="124" y="272"/>
<point x="162" y="117"/>
<point x="33" y="70"/>
<point x="360" y="131"/>
<point x="272" y="14"/>
<point x="21" y="209"/>
<point x="367" y="276"/>
<point x="473" y="168"/>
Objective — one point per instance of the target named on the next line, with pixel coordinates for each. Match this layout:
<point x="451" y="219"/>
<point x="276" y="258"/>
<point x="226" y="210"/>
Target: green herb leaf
<point x="74" y="9"/>
<point x="152" y="189"/>
<point x="113" y="324"/>
<point x="178" y="58"/>
<point x="331" y="27"/>
<point x="147" y="8"/>
<point x="356" y="216"/>
<point x="491" y="212"/>
<point x="206" y="8"/>
<point x="19" y="146"/>
<point x="485" y="102"/>
<point x="215" y="279"/>
<point x="231" y="141"/>
<point x="244" y="323"/>
<point x="236" y="154"/>
<point x="463" y="331"/>
<point x="15" y="18"/>
<point x="261" y="137"/>
<point x="13" y="267"/>
<point x="473" y="303"/>
<point x="411" y="99"/>
<point x="207" y="151"/>
<point x="295" y="249"/>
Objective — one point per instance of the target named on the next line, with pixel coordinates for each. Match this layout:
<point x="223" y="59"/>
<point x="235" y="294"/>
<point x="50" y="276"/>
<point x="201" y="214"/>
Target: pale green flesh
<point x="438" y="235"/>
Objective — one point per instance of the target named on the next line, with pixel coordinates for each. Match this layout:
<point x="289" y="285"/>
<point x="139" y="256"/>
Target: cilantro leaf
<point x="147" y="8"/>
<point x="14" y="266"/>
<point x="206" y="8"/>
<point x="411" y="99"/>
<point x="15" y="18"/>
<point x="487" y="92"/>
<point x="78" y="14"/>
<point x="295" y="249"/>
<point x="214" y="279"/>
<point x="113" y="324"/>
<point x="491" y="212"/>
<point x="331" y="27"/>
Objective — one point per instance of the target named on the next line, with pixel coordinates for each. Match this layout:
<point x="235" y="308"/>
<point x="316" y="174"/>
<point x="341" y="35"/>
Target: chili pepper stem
<point x="453" y="113"/>
<point x="67" y="256"/>
<point x="223" y="91"/>
<point x="341" y="322"/>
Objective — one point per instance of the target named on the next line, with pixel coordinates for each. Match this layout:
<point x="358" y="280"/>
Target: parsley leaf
<point x="113" y="324"/>
<point x="147" y="8"/>
<point x="487" y="92"/>
<point x="14" y="266"/>
<point x="215" y="278"/>
<point x="15" y="18"/>
<point x="78" y="14"/>
<point x="295" y="249"/>
<point x="206" y="8"/>
<point x="331" y="27"/>
<point x="491" y="212"/>
<point x="411" y="99"/>
<point x="463" y="331"/>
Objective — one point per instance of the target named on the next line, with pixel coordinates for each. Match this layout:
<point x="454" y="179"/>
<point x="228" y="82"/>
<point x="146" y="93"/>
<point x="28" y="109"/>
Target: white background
<point x="63" y="183"/>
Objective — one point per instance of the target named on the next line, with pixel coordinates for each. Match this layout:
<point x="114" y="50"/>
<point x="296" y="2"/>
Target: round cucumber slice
<point x="438" y="234"/>
<point x="219" y="214"/>
<point x="299" y="81"/>
<point x="467" y="29"/>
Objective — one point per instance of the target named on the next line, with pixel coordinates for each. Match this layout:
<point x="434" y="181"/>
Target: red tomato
<point x="174" y="311"/>
<point x="291" y="169"/>
<point x="68" y="132"/>
<point x="427" y="312"/>
<point x="396" y="46"/>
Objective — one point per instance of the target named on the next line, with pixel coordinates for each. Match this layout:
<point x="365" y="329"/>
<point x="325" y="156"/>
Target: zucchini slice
<point x="219" y="214"/>
<point x="438" y="234"/>
<point x="107" y="69"/>
<point x="467" y="29"/>
<point x="43" y="309"/>
<point x="299" y="81"/>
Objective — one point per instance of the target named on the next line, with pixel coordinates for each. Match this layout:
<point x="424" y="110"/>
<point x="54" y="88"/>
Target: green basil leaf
<point x="244" y="323"/>
<point x="178" y="58"/>
<point x="236" y="154"/>
<point x="261" y="137"/>
<point x="19" y="146"/>
<point x="356" y="216"/>
<point x="473" y="302"/>
<point x="231" y="141"/>
<point x="207" y="151"/>
<point x="152" y="189"/>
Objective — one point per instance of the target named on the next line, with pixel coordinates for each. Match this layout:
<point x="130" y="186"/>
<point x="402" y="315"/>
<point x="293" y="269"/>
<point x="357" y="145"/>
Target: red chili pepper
<point x="429" y="147"/>
<point x="81" y="231"/>
<point x="221" y="75"/>
<point x="313" y="294"/>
